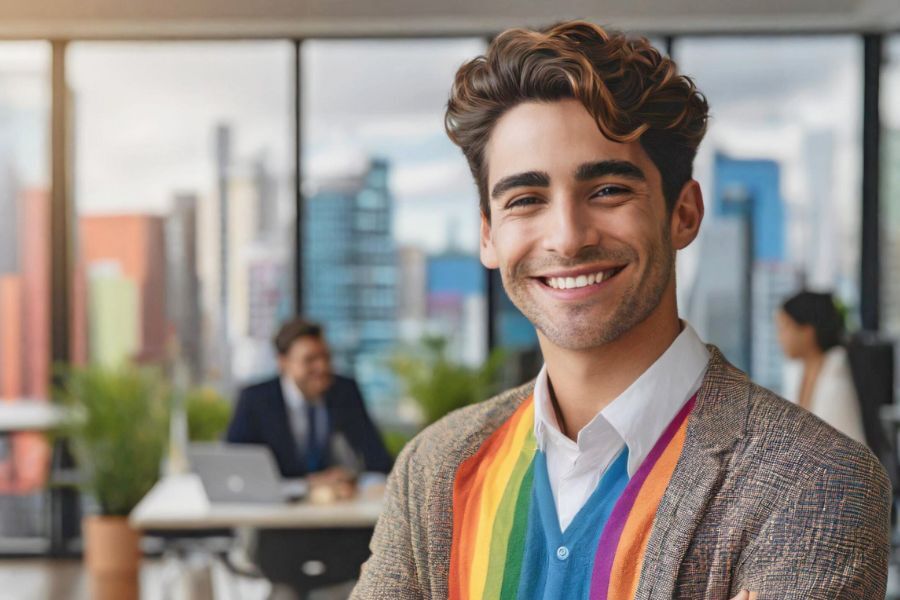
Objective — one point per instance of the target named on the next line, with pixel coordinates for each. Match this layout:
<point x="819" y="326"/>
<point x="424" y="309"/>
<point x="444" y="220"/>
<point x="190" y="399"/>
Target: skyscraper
<point x="350" y="274"/>
<point x="183" y="283"/>
<point x="25" y="298"/>
<point x="118" y="250"/>
<point x="114" y="307"/>
<point x="35" y="262"/>
<point x="743" y="274"/>
<point x="411" y="297"/>
<point x="239" y="316"/>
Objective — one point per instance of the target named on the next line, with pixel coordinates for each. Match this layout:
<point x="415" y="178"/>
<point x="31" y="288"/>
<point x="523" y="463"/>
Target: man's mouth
<point x="580" y="281"/>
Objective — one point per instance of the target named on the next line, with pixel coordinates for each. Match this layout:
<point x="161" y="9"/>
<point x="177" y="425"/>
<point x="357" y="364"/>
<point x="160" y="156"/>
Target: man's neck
<point x="584" y="382"/>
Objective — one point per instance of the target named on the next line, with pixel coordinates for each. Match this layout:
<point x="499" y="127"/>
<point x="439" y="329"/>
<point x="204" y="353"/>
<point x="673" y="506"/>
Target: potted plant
<point x="208" y="414"/>
<point x="117" y="428"/>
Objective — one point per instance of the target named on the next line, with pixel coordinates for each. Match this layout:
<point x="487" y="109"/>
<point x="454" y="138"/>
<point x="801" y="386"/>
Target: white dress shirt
<point x="636" y="419"/>
<point x="295" y="403"/>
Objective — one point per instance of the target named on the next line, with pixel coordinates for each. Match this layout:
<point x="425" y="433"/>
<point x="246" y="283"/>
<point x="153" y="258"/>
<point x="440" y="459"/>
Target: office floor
<point x="43" y="579"/>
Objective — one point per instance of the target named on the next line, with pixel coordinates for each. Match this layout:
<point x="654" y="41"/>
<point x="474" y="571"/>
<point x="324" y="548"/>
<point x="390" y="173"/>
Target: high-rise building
<point x="412" y="303"/>
<point x="35" y="263"/>
<point x="822" y="248"/>
<point x="242" y="244"/>
<point x="183" y="282"/>
<point x="114" y="307"/>
<point x="773" y="282"/>
<point x="717" y="302"/>
<point x="25" y="299"/>
<point x="350" y="274"/>
<point x="743" y="275"/>
<point x="9" y="218"/>
<point x="267" y="199"/>
<point x="11" y="383"/>
<point x="130" y="248"/>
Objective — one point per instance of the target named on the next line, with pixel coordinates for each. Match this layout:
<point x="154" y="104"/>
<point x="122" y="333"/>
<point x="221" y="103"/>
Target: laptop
<point x="242" y="473"/>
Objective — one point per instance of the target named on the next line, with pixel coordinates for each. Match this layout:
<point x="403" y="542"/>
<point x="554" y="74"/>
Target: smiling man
<point x="639" y="463"/>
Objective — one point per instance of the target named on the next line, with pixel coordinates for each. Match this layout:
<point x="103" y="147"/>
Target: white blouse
<point x="834" y="396"/>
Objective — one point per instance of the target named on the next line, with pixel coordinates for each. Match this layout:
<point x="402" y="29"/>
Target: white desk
<point x="178" y="502"/>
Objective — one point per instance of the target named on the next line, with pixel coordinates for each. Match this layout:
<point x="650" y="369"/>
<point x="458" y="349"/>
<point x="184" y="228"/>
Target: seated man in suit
<point x="303" y="412"/>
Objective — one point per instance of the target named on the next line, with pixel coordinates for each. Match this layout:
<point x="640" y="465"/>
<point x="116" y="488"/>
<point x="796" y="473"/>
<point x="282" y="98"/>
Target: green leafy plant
<point x="208" y="414"/>
<point x="440" y="385"/>
<point x="117" y="425"/>
<point x="394" y="441"/>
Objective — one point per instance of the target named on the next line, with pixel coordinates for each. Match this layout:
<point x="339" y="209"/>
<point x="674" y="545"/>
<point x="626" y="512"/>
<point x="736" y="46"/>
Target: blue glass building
<point x="350" y="275"/>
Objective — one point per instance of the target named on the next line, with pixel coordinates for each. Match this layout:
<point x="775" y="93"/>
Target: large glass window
<point x="184" y="202"/>
<point x="890" y="188"/>
<point x="780" y="170"/>
<point x="24" y="277"/>
<point x="390" y="232"/>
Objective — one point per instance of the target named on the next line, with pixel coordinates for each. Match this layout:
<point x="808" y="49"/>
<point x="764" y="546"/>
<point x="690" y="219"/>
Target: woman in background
<point x="811" y="329"/>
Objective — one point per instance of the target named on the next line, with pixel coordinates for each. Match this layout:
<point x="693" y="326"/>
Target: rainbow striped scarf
<point x="496" y="495"/>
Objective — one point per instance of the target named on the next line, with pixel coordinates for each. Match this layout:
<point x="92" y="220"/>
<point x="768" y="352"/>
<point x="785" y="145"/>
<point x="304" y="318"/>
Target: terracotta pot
<point x="112" y="555"/>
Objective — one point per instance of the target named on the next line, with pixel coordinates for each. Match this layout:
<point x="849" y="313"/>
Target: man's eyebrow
<point x="527" y="179"/>
<point x="623" y="168"/>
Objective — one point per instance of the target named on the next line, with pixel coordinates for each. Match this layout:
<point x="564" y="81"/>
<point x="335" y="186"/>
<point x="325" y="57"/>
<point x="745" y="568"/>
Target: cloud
<point x="432" y="178"/>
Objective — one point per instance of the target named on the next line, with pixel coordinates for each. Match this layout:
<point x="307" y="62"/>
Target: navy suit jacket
<point x="261" y="417"/>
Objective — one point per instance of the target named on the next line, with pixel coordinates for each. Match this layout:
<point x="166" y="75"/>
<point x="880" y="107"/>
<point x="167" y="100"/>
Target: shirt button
<point x="562" y="553"/>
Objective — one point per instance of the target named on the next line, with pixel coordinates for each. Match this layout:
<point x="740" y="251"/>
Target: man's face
<point x="579" y="227"/>
<point x="308" y="363"/>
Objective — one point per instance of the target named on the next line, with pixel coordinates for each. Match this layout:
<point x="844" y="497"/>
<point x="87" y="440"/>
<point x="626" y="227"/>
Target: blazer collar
<point x="722" y="409"/>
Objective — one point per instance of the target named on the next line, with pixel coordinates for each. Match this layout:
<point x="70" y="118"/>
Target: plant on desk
<point x="117" y="429"/>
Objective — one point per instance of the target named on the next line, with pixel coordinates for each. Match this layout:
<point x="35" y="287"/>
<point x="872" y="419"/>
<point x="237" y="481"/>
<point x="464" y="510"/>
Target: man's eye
<point x="610" y="190"/>
<point x="523" y="201"/>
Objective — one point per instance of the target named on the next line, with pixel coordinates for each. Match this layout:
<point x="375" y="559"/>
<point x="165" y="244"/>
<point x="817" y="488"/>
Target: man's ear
<point x="687" y="215"/>
<point x="488" y="255"/>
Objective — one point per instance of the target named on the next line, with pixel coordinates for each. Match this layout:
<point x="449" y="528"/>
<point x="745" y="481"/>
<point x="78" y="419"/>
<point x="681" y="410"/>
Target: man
<point x="639" y="463"/>
<point x="303" y="413"/>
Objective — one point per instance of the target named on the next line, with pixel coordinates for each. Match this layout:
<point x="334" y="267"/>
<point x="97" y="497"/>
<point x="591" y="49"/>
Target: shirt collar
<point x="292" y="394"/>
<point x="641" y="413"/>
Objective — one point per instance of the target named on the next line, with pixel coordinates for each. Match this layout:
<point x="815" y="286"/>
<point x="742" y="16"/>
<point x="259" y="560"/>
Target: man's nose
<point x="569" y="228"/>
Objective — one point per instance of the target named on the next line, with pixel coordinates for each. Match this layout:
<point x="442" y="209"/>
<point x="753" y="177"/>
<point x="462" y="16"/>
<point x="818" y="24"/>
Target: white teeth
<point x="568" y="283"/>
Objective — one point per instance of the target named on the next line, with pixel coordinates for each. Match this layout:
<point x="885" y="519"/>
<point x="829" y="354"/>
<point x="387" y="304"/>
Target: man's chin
<point x="584" y="337"/>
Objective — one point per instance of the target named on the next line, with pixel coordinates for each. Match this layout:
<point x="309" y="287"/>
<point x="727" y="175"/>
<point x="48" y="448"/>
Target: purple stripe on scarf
<point x="609" y="539"/>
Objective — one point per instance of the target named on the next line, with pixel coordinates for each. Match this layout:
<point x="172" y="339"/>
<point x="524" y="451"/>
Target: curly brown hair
<point x="628" y="87"/>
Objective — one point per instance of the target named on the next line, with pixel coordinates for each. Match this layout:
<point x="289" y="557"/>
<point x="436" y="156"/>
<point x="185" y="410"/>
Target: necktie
<point x="313" y="444"/>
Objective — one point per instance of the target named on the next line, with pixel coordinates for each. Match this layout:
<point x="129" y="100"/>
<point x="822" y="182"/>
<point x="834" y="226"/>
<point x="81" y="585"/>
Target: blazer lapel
<point x="718" y="421"/>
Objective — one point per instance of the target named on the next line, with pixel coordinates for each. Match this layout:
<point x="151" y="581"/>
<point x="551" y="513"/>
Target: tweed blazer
<point x="765" y="496"/>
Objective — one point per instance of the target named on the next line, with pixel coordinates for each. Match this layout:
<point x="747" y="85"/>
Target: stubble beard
<point x="573" y="328"/>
